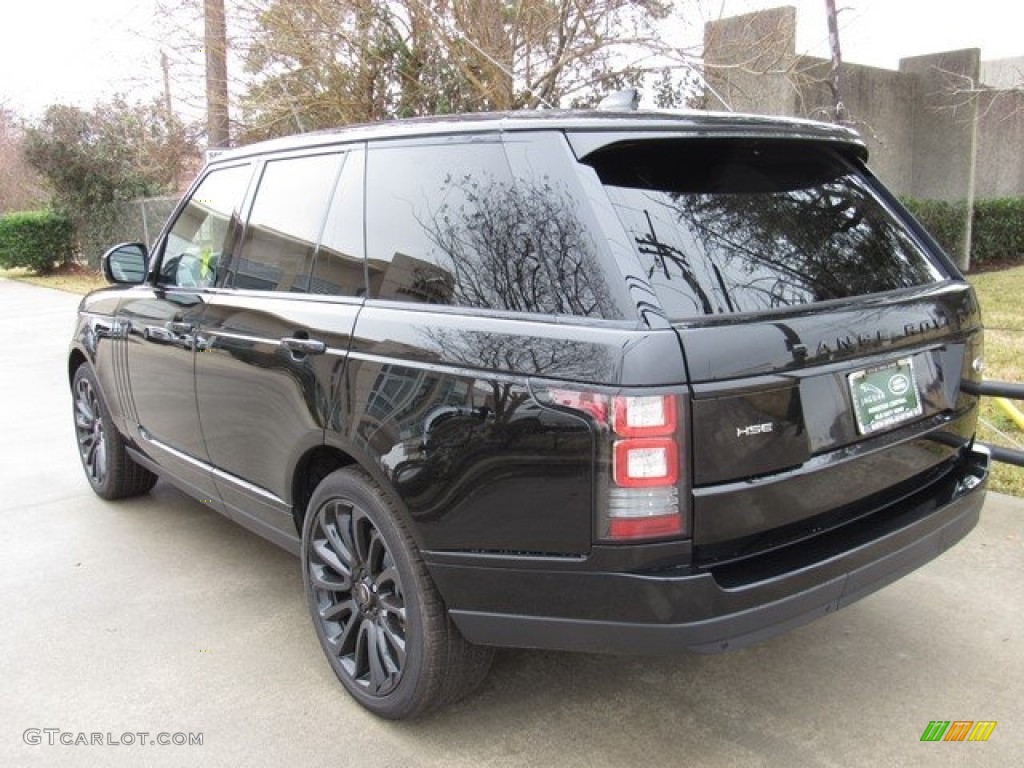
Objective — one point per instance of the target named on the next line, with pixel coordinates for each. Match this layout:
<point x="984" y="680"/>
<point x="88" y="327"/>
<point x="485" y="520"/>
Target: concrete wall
<point x="932" y="131"/>
<point x="999" y="170"/>
<point x="944" y="119"/>
<point x="879" y="104"/>
<point x="935" y="128"/>
<point x="746" y="61"/>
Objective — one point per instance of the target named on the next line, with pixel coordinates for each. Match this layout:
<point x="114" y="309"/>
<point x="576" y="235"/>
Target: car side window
<point x="194" y="248"/>
<point x="338" y="269"/>
<point x="415" y="194"/>
<point x="449" y="223"/>
<point x="285" y="224"/>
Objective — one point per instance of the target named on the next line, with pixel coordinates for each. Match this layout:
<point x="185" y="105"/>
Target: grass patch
<point x="73" y="279"/>
<point x="1002" y="298"/>
<point x="1001" y="295"/>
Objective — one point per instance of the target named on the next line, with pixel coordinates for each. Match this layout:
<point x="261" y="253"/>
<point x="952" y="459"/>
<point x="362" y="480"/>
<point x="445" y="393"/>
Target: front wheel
<point x="377" y="614"/>
<point x="109" y="469"/>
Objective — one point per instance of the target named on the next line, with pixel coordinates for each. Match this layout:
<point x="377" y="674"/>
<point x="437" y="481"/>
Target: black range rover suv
<point x="625" y="382"/>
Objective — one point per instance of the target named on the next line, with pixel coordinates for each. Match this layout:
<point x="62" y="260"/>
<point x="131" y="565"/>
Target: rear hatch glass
<point x="735" y="226"/>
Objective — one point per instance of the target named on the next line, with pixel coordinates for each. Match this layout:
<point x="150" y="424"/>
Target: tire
<point x="109" y="469"/>
<point x="377" y="614"/>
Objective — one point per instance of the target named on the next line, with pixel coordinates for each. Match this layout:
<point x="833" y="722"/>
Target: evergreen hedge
<point x="998" y="230"/>
<point x="39" y="240"/>
<point x="997" y="233"/>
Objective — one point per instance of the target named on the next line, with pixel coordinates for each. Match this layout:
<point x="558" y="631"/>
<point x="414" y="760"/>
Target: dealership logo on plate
<point x="899" y="384"/>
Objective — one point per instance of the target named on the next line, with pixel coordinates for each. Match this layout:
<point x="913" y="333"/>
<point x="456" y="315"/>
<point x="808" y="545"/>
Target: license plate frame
<point x="884" y="395"/>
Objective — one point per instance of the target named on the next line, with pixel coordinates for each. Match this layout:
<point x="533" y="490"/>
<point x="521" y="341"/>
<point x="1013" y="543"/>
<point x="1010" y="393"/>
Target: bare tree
<point x="962" y="91"/>
<point x="21" y="186"/>
<point x="300" y="65"/>
<point x="316" y="63"/>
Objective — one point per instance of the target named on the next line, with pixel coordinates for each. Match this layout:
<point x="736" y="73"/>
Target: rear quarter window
<point x="730" y="226"/>
<point x="451" y="223"/>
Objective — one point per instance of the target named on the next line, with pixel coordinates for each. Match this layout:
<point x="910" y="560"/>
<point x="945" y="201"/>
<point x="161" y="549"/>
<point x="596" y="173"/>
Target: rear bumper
<point x="716" y="609"/>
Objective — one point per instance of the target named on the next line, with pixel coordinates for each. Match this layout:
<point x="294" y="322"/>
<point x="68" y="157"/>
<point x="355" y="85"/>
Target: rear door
<point x="825" y="343"/>
<point x="276" y="332"/>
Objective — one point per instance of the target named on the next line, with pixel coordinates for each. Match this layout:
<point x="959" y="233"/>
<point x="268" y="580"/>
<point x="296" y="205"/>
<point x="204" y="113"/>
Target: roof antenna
<point x="628" y="99"/>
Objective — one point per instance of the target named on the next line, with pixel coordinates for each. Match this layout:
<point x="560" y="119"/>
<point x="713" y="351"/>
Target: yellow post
<point x="1011" y="411"/>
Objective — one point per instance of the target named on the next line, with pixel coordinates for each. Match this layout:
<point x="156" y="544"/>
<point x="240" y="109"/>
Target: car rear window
<point x="730" y="226"/>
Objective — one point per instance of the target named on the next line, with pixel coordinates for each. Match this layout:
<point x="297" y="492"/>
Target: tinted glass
<point x="740" y="226"/>
<point x="195" y="245"/>
<point x="338" y="268"/>
<point x="285" y="223"/>
<point x="448" y="224"/>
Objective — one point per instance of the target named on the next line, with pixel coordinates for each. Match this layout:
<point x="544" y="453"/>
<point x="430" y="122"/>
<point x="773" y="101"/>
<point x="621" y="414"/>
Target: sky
<point x="74" y="52"/>
<point x="881" y="32"/>
<point x="81" y="51"/>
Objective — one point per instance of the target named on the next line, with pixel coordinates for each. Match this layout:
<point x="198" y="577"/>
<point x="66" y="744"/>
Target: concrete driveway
<point x="158" y="616"/>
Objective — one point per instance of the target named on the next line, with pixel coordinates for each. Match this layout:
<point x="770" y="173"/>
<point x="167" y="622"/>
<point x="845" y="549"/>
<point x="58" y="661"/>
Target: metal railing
<point x="1003" y="392"/>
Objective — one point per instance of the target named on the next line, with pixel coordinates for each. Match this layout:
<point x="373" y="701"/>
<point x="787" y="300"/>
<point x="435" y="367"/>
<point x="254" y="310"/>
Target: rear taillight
<point x="645" y="462"/>
<point x="644" y="499"/>
<point x="644" y="416"/>
<point x="643" y="492"/>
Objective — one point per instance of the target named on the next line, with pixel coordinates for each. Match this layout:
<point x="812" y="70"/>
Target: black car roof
<point x="692" y="122"/>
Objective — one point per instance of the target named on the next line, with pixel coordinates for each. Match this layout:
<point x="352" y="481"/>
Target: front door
<point x="161" y="319"/>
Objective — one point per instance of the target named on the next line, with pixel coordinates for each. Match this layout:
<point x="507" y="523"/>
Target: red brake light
<point x="644" y="502"/>
<point x="645" y="462"/>
<point x="643" y="496"/>
<point x="644" y="416"/>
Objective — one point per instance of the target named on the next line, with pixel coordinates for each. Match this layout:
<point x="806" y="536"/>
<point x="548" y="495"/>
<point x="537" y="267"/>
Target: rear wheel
<point x="376" y="611"/>
<point x="109" y="469"/>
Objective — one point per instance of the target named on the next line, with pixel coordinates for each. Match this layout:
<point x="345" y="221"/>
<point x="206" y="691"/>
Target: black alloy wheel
<point x="111" y="472"/>
<point x="377" y="614"/>
<point x="359" y="597"/>
<point x="92" y="441"/>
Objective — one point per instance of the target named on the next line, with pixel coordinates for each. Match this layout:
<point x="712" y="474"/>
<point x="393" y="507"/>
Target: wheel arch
<point x="323" y="459"/>
<point x="75" y="359"/>
<point x="312" y="467"/>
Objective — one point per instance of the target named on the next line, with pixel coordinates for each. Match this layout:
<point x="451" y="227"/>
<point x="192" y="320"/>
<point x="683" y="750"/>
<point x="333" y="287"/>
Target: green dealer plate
<point x="884" y="395"/>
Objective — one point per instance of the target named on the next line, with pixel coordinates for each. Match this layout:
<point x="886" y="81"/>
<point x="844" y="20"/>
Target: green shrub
<point x="945" y="221"/>
<point x="35" y="239"/>
<point x="998" y="230"/>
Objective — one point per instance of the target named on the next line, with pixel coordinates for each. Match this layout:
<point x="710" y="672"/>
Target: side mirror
<point x="126" y="263"/>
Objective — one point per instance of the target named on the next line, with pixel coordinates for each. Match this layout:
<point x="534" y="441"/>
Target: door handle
<point x="303" y="346"/>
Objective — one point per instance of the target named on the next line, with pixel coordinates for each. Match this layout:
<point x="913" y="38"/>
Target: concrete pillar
<point x="945" y="126"/>
<point x="749" y="60"/>
<point x="944" y="115"/>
